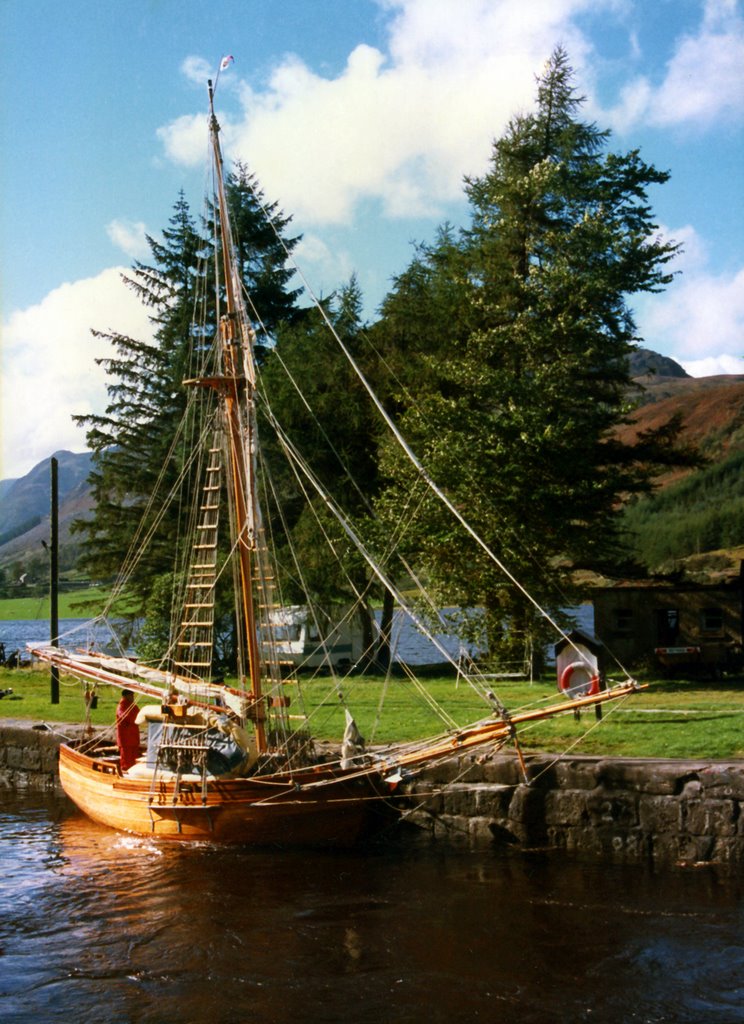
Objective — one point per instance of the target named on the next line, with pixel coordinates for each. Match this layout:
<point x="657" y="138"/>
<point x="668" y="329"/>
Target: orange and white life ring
<point x="565" y="680"/>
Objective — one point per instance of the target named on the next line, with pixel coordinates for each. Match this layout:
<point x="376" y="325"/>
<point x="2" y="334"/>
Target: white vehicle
<point x="308" y="642"/>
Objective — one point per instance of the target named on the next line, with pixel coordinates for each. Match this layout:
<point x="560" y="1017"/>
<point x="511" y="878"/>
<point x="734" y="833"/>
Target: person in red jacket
<point x="127" y="730"/>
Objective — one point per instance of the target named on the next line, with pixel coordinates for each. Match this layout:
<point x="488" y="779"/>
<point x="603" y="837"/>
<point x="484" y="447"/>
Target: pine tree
<point x="262" y="251"/>
<point x="325" y="410"/>
<point x="131" y="441"/>
<point x="313" y="392"/>
<point x="145" y="437"/>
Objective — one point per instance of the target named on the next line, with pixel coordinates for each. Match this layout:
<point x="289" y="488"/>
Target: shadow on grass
<point x="732" y="684"/>
<point x="684" y="720"/>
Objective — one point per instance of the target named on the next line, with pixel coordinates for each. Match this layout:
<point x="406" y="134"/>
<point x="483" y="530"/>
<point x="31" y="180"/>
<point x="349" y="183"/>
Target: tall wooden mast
<point x="237" y="388"/>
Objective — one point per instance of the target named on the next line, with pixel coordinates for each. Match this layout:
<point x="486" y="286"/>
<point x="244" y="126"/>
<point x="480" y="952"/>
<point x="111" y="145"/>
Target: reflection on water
<point x="98" y="926"/>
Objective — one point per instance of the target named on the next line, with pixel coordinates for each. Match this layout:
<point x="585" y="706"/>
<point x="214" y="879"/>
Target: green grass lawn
<point x="679" y="719"/>
<point x="72" y="605"/>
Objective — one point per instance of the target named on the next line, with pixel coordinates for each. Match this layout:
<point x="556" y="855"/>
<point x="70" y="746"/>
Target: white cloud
<point x="49" y="371"/>
<point x="714" y="366"/>
<point x="197" y="70"/>
<point x="699" y="319"/>
<point x="635" y="100"/>
<point x="129" y="236"/>
<point x="705" y="78"/>
<point x="703" y="82"/>
<point x="395" y="130"/>
<point x="184" y="139"/>
<point x="401" y="127"/>
<point x="328" y="267"/>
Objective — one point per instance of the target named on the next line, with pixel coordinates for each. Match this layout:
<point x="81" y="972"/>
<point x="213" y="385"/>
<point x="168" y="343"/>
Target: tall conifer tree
<point x="147" y="401"/>
<point x="314" y="393"/>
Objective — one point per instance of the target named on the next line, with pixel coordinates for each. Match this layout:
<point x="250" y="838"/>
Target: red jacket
<point x="127" y="732"/>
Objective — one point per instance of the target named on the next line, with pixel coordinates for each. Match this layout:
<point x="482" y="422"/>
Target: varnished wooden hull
<point x="280" y="811"/>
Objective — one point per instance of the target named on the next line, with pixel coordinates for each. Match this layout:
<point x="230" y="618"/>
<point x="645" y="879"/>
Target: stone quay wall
<point x="29" y="754"/>
<point x="622" y="809"/>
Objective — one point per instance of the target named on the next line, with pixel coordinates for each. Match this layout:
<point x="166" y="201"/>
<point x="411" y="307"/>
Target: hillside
<point x="25" y="511"/>
<point x="699" y="510"/>
<point x="712" y="409"/>
<point x="25" y="501"/>
<point x="644" y="363"/>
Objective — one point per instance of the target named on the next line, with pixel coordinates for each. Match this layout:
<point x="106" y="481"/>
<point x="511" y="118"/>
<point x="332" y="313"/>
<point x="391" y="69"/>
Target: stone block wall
<point x="687" y="812"/>
<point x="29" y="753"/>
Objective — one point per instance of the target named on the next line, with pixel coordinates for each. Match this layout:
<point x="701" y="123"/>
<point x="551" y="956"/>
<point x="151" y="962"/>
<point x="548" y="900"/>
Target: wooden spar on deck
<point x="83" y="668"/>
<point x="503" y="728"/>
<point x="88" y="672"/>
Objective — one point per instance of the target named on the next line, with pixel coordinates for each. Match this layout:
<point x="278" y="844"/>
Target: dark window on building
<point x="712" y="620"/>
<point x="667" y="626"/>
<point x="623" y="621"/>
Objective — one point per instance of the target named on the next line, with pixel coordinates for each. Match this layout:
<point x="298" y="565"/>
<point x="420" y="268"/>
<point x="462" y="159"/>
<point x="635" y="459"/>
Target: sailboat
<point x="227" y="763"/>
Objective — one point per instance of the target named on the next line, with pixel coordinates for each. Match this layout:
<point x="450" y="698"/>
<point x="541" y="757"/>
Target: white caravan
<point x="307" y="642"/>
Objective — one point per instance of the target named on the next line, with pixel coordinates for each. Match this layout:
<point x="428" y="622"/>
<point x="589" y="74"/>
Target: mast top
<point x="213" y="123"/>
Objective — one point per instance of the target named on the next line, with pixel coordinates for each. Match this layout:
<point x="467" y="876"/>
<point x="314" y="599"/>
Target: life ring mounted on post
<point x="579" y="689"/>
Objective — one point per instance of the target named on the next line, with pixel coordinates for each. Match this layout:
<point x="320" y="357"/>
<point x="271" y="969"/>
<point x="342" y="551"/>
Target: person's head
<point x="129" y="694"/>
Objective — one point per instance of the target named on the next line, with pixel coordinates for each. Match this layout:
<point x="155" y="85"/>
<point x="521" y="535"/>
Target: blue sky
<point x="360" y="117"/>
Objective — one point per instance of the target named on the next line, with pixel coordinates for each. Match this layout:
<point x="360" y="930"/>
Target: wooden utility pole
<point x="53" y="574"/>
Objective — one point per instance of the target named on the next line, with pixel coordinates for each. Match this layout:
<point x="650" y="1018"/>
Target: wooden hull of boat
<point x="282" y="811"/>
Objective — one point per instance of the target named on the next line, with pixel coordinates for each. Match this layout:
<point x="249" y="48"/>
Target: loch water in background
<point x="97" y="926"/>
<point x="15" y="634"/>
<point x="408" y="644"/>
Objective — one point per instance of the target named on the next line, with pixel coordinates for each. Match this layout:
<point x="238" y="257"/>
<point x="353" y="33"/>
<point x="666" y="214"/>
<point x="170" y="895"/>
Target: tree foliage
<point x="142" y="443"/>
<point x="525" y="378"/>
<point x="309" y="386"/>
<point x="502" y="349"/>
<point x="132" y="439"/>
<point x="262" y="249"/>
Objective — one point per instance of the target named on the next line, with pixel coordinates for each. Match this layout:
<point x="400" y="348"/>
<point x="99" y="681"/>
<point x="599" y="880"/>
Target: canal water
<point x="96" y="926"/>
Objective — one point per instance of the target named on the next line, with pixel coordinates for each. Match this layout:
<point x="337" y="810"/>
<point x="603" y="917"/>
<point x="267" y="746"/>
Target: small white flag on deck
<point x="226" y="62"/>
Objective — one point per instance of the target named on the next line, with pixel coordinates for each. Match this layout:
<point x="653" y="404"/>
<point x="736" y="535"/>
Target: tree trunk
<point x="386" y="629"/>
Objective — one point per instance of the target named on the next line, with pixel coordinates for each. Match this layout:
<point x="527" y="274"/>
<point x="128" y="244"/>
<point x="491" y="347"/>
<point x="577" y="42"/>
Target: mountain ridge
<point x="25" y="507"/>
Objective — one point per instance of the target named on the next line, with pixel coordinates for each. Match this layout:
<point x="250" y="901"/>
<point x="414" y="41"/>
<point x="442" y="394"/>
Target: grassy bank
<point x="74" y="604"/>
<point x="680" y="719"/>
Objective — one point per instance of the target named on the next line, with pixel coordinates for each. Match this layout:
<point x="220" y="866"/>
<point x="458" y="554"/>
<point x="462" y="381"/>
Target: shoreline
<point x="629" y="809"/>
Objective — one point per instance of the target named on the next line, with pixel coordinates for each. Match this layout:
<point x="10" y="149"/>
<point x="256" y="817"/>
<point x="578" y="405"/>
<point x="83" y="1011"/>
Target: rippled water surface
<point x="96" y="926"/>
